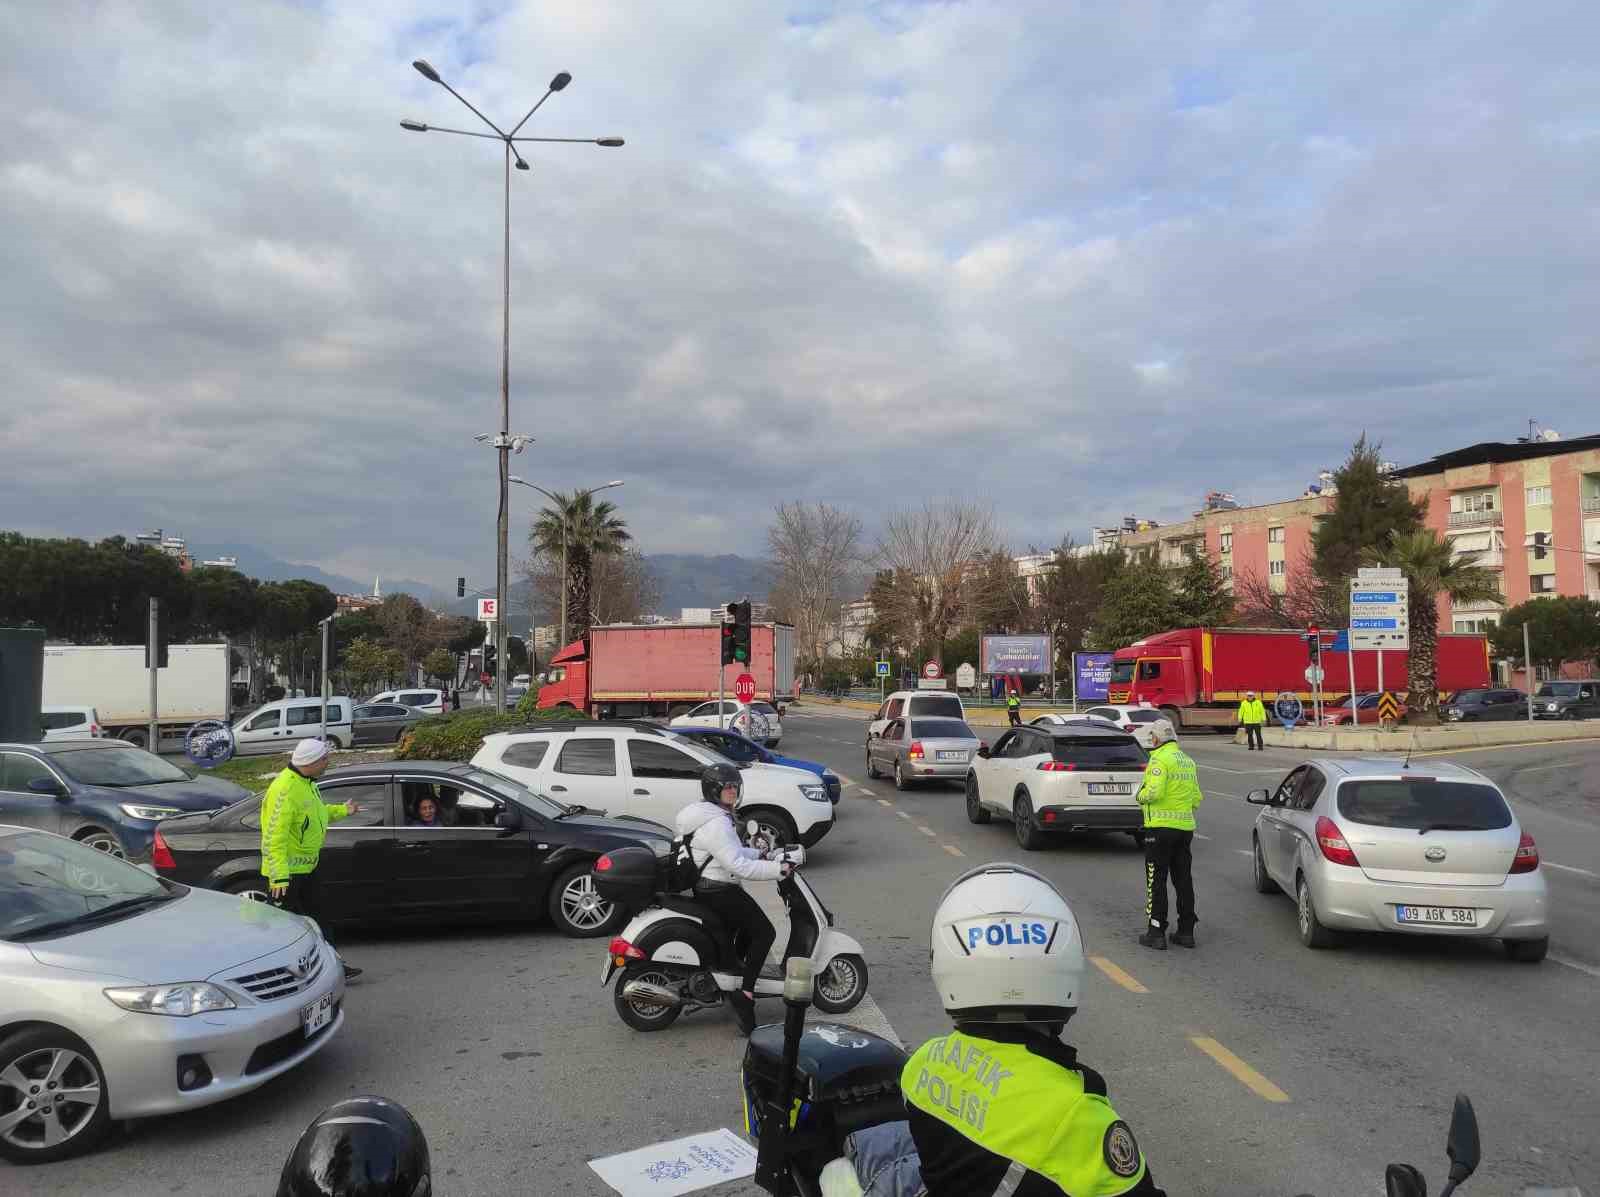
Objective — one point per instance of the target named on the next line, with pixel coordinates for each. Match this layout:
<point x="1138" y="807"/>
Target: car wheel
<point x="576" y="907"/>
<point x="1264" y="882"/>
<point x="1312" y="933"/>
<point x="251" y="889"/>
<point x="900" y="782"/>
<point x="777" y="827"/>
<point x="1527" y="951"/>
<point x="1029" y="837"/>
<point x="975" y="809"/>
<point x="841" y="986"/>
<point x="138" y="738"/>
<point x="53" y="1101"/>
<point x="644" y="1015"/>
<point x="872" y="770"/>
<point x="101" y="841"/>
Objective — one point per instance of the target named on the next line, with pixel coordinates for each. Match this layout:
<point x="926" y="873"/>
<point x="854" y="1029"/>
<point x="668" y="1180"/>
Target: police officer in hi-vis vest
<point x="1169" y="795"/>
<point x="1001" y="1105"/>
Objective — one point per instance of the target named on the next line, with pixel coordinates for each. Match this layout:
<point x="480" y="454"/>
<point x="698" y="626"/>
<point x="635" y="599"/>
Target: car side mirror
<point x="1462" y="1144"/>
<point x="1258" y="798"/>
<point x="47" y="785"/>
<point x="983" y="751"/>
<point x="508" y="820"/>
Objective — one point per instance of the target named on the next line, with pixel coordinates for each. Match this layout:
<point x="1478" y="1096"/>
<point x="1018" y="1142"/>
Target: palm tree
<point x="587" y="530"/>
<point x="1432" y="568"/>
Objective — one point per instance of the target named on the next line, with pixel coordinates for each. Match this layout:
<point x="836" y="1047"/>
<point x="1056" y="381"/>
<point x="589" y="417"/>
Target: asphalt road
<point x="1249" y="1066"/>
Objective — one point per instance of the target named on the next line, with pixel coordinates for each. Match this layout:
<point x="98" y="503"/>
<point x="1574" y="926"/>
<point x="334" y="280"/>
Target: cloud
<point x="1058" y="256"/>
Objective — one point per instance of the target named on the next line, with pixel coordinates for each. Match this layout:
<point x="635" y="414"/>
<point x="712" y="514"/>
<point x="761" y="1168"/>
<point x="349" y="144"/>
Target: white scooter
<point x="677" y="956"/>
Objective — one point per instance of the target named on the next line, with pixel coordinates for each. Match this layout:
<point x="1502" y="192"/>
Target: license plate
<point x="957" y="755"/>
<point x="1443" y="916"/>
<point x="1110" y="787"/>
<point x="316" y="1015"/>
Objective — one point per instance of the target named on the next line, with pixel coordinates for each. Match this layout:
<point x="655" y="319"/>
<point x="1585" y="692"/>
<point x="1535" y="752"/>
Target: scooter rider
<point x="724" y="862"/>
<point x="1001" y="1105"/>
<point x="360" y="1147"/>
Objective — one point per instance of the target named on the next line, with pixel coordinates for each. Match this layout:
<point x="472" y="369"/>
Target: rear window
<point x="1416" y="803"/>
<point x="1145" y="716"/>
<point x="941" y="729"/>
<point x="945" y="705"/>
<point x="1099" y="752"/>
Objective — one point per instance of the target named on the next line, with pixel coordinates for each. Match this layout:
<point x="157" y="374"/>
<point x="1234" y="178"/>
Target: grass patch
<point x="254" y="773"/>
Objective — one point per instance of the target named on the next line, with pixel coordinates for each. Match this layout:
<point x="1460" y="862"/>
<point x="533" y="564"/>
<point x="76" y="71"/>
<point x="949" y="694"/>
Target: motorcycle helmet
<point x="717" y="776"/>
<point x="1006" y="949"/>
<point x="360" y="1147"/>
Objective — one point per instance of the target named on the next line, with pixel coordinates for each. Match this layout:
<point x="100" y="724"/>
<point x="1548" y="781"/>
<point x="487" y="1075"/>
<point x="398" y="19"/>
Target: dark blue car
<point x="108" y="794"/>
<point x="742" y="749"/>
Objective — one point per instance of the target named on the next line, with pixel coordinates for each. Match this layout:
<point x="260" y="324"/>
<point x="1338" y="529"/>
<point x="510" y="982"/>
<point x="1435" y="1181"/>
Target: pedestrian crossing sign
<point x="883" y="669"/>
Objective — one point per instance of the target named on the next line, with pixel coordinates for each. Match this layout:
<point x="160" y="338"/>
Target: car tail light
<point x="94" y="729"/>
<point x="161" y="855"/>
<point x="1057" y="767"/>
<point x="1049" y="816"/>
<point x="915" y="751"/>
<point x="1527" y="857"/>
<point x="1333" y="844"/>
<point x="622" y="951"/>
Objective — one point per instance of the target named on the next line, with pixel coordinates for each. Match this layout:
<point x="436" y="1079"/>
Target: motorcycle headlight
<point x="815" y="793"/>
<point x="176" y="1001"/>
<point x="138" y="810"/>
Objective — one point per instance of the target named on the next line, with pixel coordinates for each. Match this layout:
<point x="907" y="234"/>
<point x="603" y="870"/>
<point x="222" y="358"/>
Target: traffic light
<point x="1540" y="543"/>
<point x="1313" y="639"/>
<point x="461" y="588"/>
<point x="728" y="634"/>
<point x="741" y="631"/>
<point x="489" y="659"/>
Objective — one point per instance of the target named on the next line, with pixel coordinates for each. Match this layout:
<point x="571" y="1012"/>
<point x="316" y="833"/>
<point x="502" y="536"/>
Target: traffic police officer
<point x="1252" y="717"/>
<point x="1014" y="708"/>
<point x="1169" y="795"/>
<point x="1001" y="1105"/>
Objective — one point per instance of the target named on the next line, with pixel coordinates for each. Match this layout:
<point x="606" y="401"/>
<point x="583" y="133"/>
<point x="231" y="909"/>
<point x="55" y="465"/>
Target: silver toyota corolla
<point x="1374" y="845"/>
<point x="139" y="996"/>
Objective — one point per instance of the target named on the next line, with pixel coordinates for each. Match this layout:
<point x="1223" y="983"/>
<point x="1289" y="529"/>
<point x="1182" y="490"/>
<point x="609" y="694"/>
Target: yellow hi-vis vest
<point x="1252" y="710"/>
<point x="1171" y="789"/>
<point x="294" y="820"/>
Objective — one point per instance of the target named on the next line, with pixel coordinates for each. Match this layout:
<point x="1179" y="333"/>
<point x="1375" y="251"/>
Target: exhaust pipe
<point x="648" y="991"/>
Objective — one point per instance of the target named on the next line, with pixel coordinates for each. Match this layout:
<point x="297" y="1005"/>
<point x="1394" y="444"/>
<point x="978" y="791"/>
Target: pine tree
<point x="1139" y="601"/>
<point x="1369" y="510"/>
<point x="1202" y="597"/>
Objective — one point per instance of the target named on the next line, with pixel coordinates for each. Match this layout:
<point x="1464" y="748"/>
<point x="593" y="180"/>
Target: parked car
<point x="71" y="723"/>
<point x="383" y="722"/>
<point x="742" y="750"/>
<point x="1336" y="711"/>
<point x="922" y="748"/>
<point x="129" y="995"/>
<point x="500" y="850"/>
<point x="103" y="793"/>
<point x="903" y="703"/>
<point x="1140" y="722"/>
<point x="279" y="726"/>
<point x="1578" y="699"/>
<point x="1475" y="706"/>
<point x="1054" y="779"/>
<point x="514" y="695"/>
<point x="636" y="768"/>
<point x="1369" y="845"/>
<point x="759" y="720"/>
<point x="431" y="702"/>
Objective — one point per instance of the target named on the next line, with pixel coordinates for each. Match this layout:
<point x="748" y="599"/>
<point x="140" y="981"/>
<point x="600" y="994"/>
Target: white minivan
<point x="279" y="726"/>
<point x="918" y="704"/>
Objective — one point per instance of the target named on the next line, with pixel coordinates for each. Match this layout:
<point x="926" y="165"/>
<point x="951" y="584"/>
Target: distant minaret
<point x="377" y="590"/>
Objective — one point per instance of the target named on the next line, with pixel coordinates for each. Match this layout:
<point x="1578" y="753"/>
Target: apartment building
<point x="1270" y="540"/>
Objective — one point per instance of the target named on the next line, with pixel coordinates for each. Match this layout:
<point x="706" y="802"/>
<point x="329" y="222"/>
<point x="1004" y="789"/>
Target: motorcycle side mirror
<point x="1403" y="1180"/>
<point x="1258" y="798"/>
<point x="1462" y="1144"/>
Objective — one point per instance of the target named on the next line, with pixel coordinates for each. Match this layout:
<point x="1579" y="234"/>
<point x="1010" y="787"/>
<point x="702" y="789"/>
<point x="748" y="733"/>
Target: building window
<point x="1276" y="568"/>
<point x="1538" y="496"/>
<point x="1542" y="584"/>
<point x="1275" y="535"/>
<point x="1227" y="572"/>
<point x="1478" y="624"/>
<point x="1473" y="500"/>
<point x="1227" y="542"/>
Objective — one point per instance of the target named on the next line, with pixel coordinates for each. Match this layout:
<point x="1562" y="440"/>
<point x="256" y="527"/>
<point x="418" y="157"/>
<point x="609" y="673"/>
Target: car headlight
<point x="175" y="1001"/>
<point x="138" y="810"/>
<point x="815" y="793"/>
<point x="1550" y="706"/>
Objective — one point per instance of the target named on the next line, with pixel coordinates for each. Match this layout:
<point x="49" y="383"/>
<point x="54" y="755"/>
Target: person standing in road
<point x="1169" y="796"/>
<point x="294" y="820"/>
<point x="1252" y="717"/>
<point x="1014" y="708"/>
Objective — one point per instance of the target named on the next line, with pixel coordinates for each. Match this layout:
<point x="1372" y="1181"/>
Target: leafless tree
<point x="622" y="587"/>
<point x="1302" y="602"/>
<point x="814" y="549"/>
<point x="409" y="628"/>
<point x="932" y="551"/>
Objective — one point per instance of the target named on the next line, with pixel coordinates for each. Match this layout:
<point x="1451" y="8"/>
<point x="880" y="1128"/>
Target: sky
<point x="1076" y="260"/>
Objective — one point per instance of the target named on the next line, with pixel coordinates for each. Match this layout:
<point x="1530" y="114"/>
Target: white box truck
<point x="113" y="680"/>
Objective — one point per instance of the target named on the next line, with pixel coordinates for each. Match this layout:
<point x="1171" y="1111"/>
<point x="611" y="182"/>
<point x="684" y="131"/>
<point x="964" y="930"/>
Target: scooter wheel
<point x="840" y="987"/>
<point x="645" y="1016"/>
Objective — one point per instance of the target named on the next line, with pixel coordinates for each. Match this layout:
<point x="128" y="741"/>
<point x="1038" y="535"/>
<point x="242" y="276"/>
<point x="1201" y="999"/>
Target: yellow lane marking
<point x="902" y="814"/>
<point x="953" y="850"/>
<point x="1239" y="1070"/>
<point x="849" y="781"/>
<point x="885" y="802"/>
<point x="1118" y="975"/>
<point x="927" y="831"/>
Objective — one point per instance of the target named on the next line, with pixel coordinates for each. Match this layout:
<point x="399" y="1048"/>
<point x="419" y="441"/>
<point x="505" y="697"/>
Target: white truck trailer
<point x="114" y="681"/>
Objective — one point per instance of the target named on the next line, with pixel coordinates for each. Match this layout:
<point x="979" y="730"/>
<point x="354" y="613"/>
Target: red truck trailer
<point x="634" y="671"/>
<point x="1199" y="675"/>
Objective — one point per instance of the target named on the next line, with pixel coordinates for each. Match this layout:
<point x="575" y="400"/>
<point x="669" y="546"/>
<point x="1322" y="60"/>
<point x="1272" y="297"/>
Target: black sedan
<point x="108" y="794"/>
<point x="383" y="722"/>
<point x="494" y="849"/>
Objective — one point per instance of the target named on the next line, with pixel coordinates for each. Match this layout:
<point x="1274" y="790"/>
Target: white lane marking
<point x="1565" y="765"/>
<point x="867" y="788"/>
<point x="1577" y="964"/>
<point x="1240" y="772"/>
<point x="902" y="814"/>
<point x="1198" y="836"/>
<point x="1244" y="852"/>
<point x="1570" y="869"/>
<point x="885" y="802"/>
<point x="928" y="831"/>
<point x="953" y="850"/>
<point x="868" y="1016"/>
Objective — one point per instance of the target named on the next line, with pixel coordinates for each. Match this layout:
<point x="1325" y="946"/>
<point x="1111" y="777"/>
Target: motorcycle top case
<point x="630" y="877"/>
<point x="846" y="1078"/>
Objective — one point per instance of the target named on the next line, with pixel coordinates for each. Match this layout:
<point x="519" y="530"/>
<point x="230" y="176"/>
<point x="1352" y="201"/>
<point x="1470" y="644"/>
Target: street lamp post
<point x="562" y="507"/>
<point x="503" y="441"/>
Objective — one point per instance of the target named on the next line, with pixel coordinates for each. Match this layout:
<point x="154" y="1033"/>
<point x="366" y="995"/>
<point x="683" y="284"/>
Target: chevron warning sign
<point x="1388" y="708"/>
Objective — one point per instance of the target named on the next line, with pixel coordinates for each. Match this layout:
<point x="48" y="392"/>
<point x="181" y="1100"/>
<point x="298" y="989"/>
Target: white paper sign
<point x="679" y="1165"/>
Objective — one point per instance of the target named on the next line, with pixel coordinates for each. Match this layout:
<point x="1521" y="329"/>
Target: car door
<point x="662" y="780"/>
<point x="261" y="733"/>
<point x="24" y="807"/>
<point x="1588" y="700"/>
<point x="357" y="851"/>
<point x="997" y="778"/>
<point x="303" y="721"/>
<point x="1271" y="829"/>
<point x="470" y="861"/>
<point x="887" y="713"/>
<point x="1297" y="825"/>
<point x="585" y="772"/>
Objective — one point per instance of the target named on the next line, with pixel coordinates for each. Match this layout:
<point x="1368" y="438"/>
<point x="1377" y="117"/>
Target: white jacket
<point x="717" y="848"/>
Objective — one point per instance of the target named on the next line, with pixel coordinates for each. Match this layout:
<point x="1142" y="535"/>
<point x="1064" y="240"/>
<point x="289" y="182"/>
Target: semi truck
<point x="114" y="680"/>
<point x="1199" y="675"/>
<point x="635" y="671"/>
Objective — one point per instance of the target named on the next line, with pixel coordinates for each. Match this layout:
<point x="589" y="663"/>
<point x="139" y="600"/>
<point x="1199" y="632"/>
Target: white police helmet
<point x="1162" y="733"/>
<point x="1006" y="948"/>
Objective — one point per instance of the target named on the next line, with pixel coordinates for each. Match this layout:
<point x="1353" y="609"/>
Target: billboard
<point x="1092" y="675"/>
<point x="1016" y="654"/>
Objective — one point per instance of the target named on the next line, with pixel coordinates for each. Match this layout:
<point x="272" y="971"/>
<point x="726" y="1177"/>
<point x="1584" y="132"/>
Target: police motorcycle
<point x="677" y="956"/>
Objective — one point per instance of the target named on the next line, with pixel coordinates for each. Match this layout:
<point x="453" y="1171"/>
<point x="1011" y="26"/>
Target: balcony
<point x="1476" y="519"/>
<point x="1591" y="505"/>
<point x="1484" y="558"/>
<point x="1480" y="607"/>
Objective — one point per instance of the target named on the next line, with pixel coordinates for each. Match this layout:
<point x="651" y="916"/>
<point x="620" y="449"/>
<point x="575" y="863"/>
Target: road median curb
<point x="1427" y="739"/>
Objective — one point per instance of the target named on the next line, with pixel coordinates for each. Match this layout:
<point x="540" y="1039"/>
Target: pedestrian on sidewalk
<point x="294" y="820"/>
<point x="1169" y="796"/>
<point x="1252" y="717"/>
<point x="1014" y="708"/>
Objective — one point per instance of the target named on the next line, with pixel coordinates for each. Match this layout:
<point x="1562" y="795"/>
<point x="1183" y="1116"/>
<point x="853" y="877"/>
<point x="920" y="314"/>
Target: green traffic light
<point x="739" y="654"/>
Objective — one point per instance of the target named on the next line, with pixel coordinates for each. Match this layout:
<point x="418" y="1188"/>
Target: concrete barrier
<point x="1443" y="738"/>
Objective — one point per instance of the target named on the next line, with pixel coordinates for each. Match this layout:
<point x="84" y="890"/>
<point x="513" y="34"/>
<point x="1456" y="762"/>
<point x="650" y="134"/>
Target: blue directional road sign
<point x="1368" y="624"/>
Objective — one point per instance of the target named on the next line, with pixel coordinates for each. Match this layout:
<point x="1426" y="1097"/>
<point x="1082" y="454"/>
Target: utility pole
<point x="1527" y="665"/>
<point x="155" y="662"/>
<point x="327" y="626"/>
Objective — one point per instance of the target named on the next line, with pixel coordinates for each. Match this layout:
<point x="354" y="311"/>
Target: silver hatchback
<point x="922" y="748"/>
<point x="1372" y="845"/>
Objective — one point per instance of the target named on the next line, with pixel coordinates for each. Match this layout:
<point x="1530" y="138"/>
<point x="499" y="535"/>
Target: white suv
<point x="643" y="770"/>
<point x="1077" y="777"/>
<point x="923" y="704"/>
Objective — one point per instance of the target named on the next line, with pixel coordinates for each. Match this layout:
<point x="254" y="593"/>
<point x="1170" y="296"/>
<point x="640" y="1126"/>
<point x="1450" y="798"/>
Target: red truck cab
<point x="568" y="679"/>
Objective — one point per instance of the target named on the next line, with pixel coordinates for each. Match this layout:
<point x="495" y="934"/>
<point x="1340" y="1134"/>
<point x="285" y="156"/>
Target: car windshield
<point x="1098" y="752"/>
<point x="117" y="767"/>
<point x="1424" y="803"/>
<point x="945" y="705"/>
<point x="1464" y="696"/>
<point x="515" y="792"/>
<point x="1122" y="672"/>
<point x="50" y="885"/>
<point x="1558" y="690"/>
<point x="703" y="752"/>
<point x="941" y="729"/>
<point x="766" y="708"/>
